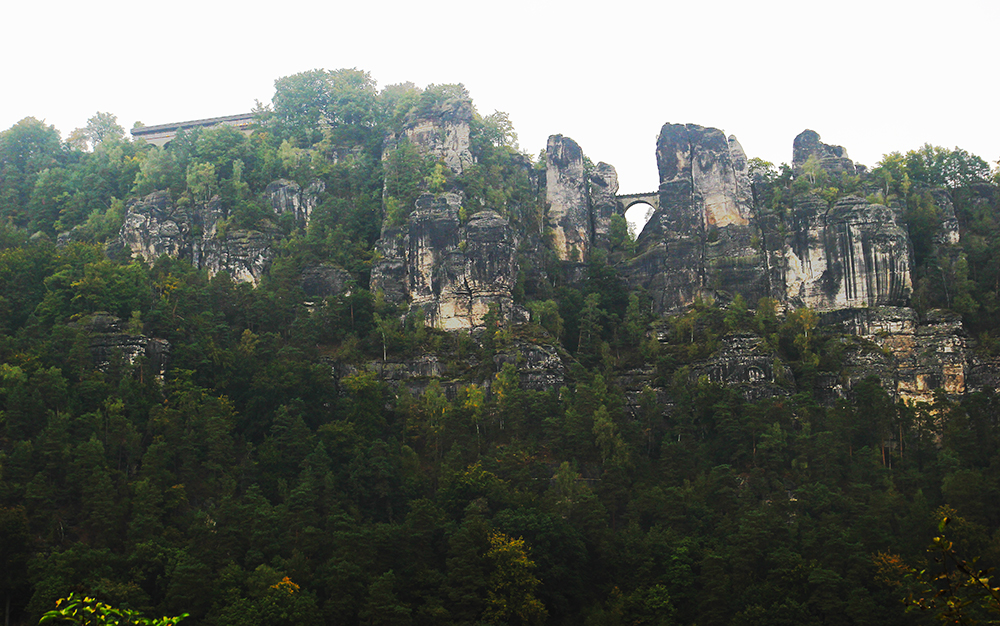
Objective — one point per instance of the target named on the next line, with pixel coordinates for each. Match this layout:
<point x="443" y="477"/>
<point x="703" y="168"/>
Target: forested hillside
<point x="303" y="443"/>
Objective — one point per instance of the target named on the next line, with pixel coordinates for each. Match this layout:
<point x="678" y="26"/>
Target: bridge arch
<point x="636" y="219"/>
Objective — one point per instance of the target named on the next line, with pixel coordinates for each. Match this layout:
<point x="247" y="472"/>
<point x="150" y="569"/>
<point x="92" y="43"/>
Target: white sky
<point x="873" y="76"/>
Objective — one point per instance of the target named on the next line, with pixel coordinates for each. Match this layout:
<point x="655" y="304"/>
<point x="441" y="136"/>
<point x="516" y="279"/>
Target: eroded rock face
<point x="245" y="254"/>
<point x="325" y="280"/>
<point x="744" y="361"/>
<point x="855" y="254"/>
<point x="833" y="159"/>
<point x="568" y="214"/>
<point x="110" y="344"/>
<point x="540" y="368"/>
<point x="154" y="226"/>
<point x="704" y="237"/>
<point x="287" y="196"/>
<point x="452" y="272"/>
<point x="910" y="357"/>
<point x="444" y="133"/>
<point x="603" y="205"/>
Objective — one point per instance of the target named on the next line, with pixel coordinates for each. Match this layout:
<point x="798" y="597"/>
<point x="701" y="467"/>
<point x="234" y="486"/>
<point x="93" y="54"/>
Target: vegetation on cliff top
<point x="249" y="486"/>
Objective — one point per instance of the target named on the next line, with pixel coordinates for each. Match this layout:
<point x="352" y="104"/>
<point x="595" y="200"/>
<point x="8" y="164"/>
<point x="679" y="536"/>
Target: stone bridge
<point x="626" y="200"/>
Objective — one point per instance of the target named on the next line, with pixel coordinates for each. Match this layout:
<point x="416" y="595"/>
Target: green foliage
<point x="341" y="104"/>
<point x="90" y="612"/>
<point x="405" y="171"/>
<point x="285" y="441"/>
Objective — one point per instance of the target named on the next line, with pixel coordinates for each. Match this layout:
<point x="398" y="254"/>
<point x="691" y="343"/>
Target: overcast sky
<point x="872" y="76"/>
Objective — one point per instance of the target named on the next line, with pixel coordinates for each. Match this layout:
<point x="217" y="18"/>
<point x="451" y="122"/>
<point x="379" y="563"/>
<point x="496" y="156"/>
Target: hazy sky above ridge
<point x="871" y="76"/>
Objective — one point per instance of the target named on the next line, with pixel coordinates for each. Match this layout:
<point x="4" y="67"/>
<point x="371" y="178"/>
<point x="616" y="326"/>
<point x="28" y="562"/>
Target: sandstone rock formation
<point x="912" y="358"/>
<point x="325" y="280"/>
<point x="110" y="344"/>
<point x="568" y="215"/>
<point x="833" y="159"/>
<point x="704" y="237"/>
<point x="579" y="203"/>
<point x="450" y="271"/>
<point x="154" y="226"/>
<point x="855" y="254"/>
<point x="443" y="131"/>
<point x="540" y="368"/>
<point x="288" y="197"/>
<point x="745" y="362"/>
<point x="603" y="205"/>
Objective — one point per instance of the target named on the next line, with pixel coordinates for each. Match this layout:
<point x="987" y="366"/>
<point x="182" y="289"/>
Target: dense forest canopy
<point x="267" y="470"/>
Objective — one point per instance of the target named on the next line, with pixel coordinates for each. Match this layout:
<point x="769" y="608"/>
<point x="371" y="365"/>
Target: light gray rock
<point x="703" y="239"/>
<point x="288" y="197"/>
<point x="856" y="254"/>
<point x="568" y="214"/>
<point x="154" y="226"/>
<point x="450" y="271"/>
<point x="443" y="131"/>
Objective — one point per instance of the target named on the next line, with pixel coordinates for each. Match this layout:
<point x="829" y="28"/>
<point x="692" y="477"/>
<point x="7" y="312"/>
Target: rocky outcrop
<point x="568" y="214"/>
<point x="155" y="226"/>
<point x="325" y="280"/>
<point x="245" y="254"/>
<point x="603" y="205"/>
<point x="579" y="202"/>
<point x="442" y="131"/>
<point x="287" y="197"/>
<point x="855" y="254"/>
<point x="911" y="358"/>
<point x="703" y="238"/>
<point x="745" y="362"/>
<point x="450" y="271"/>
<point x="110" y="344"/>
<point x="833" y="159"/>
<point x="539" y="367"/>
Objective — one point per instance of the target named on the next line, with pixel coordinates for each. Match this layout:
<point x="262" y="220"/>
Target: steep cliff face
<point x="288" y="197"/>
<point x="911" y="357"/>
<point x="603" y="205"/>
<point x="744" y="361"/>
<point x="855" y="254"/>
<point x="704" y="237"/>
<point x="568" y="215"/>
<point x="110" y="344"/>
<point x="450" y="271"/>
<point x="443" y="132"/>
<point x="325" y="280"/>
<point x="154" y="226"/>
<point x="245" y="254"/>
